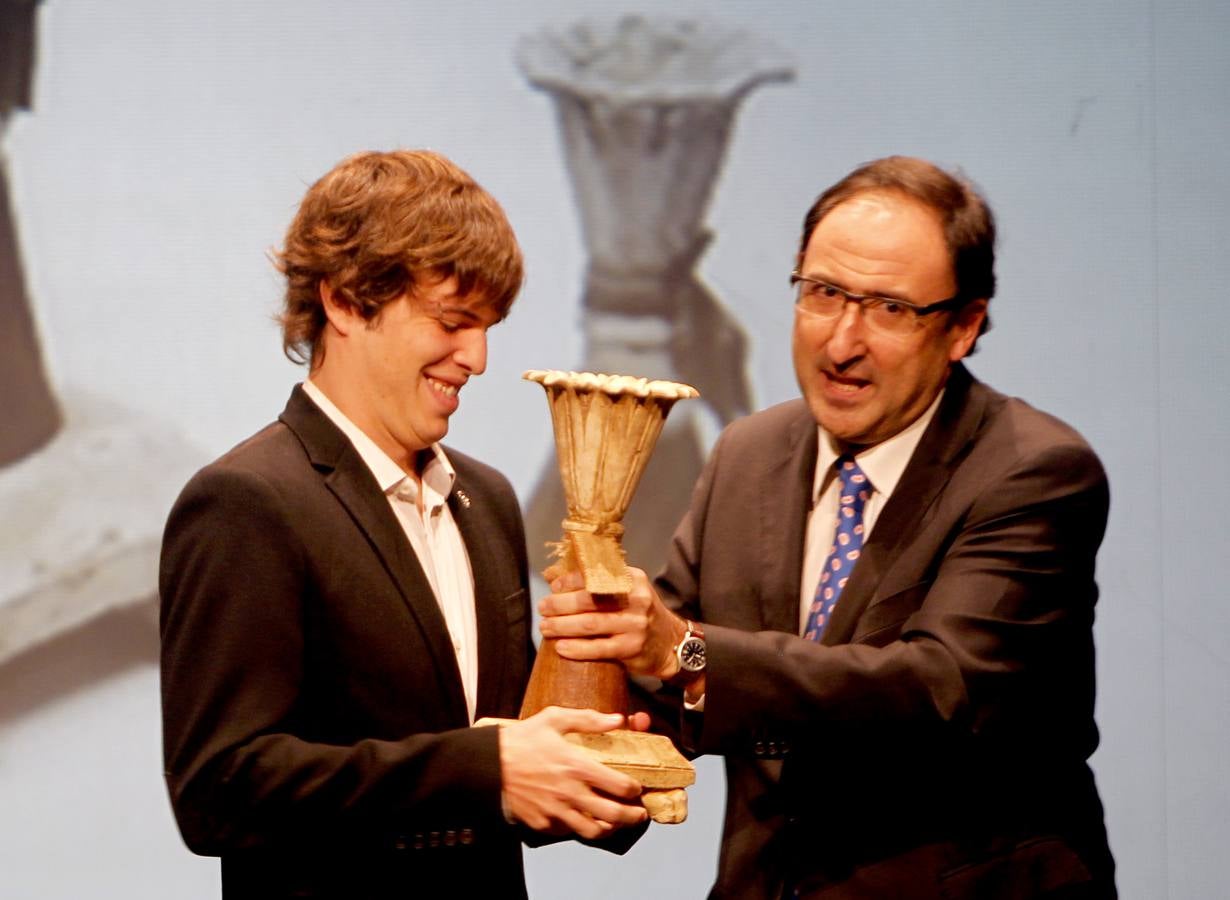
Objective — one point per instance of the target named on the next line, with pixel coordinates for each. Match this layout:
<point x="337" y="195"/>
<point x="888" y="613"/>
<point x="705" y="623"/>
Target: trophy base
<point x="653" y="761"/>
<point x="649" y="758"/>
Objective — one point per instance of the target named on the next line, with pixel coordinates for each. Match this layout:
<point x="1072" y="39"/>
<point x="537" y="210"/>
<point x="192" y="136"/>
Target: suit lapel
<point x="491" y="617"/>
<point x="352" y="482"/>
<point x="939" y="451"/>
<point x="784" y="505"/>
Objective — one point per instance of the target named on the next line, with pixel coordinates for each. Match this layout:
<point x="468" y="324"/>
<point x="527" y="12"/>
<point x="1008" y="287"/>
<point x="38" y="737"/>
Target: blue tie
<point x="847" y="546"/>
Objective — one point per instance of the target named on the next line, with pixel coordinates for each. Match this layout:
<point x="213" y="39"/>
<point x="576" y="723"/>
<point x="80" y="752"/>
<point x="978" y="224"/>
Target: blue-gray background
<point x="170" y="142"/>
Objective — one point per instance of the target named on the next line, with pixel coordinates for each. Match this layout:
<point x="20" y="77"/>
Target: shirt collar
<point x="438" y="475"/>
<point x="884" y="463"/>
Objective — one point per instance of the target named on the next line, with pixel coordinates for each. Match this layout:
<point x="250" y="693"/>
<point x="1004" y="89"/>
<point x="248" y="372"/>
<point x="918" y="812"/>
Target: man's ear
<point x="964" y="328"/>
<point x="339" y="313"/>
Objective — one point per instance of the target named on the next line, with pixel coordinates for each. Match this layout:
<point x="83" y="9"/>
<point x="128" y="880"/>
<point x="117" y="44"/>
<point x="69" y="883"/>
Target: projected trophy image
<point x="32" y="414"/>
<point x="605" y="430"/>
<point x="645" y="108"/>
<point x="79" y="537"/>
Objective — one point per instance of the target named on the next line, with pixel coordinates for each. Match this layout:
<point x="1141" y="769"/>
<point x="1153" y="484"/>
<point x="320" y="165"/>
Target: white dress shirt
<point x="883" y="464"/>
<point x="432" y="532"/>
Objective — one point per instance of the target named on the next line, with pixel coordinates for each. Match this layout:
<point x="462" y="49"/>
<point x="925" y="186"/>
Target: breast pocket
<point x="516" y="608"/>
<point x="881" y="623"/>
<point x="517" y="640"/>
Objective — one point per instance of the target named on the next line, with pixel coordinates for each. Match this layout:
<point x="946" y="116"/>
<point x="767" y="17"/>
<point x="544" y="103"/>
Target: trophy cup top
<point x="637" y="58"/>
<point x="605" y="430"/>
<point x="611" y="384"/>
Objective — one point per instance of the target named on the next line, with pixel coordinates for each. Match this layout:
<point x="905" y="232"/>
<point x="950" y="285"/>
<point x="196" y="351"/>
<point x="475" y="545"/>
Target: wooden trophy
<point x="605" y="430"/>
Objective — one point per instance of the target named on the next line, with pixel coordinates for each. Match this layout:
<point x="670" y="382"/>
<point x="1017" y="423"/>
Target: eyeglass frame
<point x="956" y="301"/>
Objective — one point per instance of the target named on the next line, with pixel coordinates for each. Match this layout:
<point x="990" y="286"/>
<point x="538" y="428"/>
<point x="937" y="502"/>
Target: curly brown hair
<point x="378" y="223"/>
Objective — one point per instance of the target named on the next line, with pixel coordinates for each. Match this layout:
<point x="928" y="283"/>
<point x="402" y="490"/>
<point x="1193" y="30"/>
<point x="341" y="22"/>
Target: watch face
<point x="692" y="655"/>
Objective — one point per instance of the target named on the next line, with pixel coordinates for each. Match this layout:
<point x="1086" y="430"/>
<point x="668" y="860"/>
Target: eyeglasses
<point x="884" y="314"/>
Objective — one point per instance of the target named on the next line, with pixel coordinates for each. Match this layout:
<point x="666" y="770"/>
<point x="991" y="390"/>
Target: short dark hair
<point x="969" y="226"/>
<point x="375" y="225"/>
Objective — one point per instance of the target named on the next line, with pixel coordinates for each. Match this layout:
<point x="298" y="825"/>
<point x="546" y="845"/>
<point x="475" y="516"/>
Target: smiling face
<point x="863" y="387"/>
<point x="398" y="376"/>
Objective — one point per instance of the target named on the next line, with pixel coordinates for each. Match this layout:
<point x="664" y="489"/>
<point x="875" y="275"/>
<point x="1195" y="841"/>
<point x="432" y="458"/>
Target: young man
<point x="342" y="597"/>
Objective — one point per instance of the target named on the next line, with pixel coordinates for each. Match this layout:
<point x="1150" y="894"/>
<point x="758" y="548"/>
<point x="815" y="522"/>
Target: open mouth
<point x="440" y="387"/>
<point x="838" y="384"/>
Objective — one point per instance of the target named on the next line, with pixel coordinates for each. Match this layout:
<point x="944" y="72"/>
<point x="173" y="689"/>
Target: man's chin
<point x="842" y="425"/>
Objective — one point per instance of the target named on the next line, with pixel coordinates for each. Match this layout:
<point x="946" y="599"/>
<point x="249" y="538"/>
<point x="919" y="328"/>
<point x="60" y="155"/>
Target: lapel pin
<point x="463" y="498"/>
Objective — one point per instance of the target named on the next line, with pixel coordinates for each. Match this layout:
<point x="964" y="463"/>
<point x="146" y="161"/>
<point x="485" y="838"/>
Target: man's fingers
<point x="587" y="721"/>
<point x="532" y="818"/>
<point x="616" y="784"/>
<point x="576" y="624"/>
<point x="561" y="818"/>
<point x="613" y="813"/>
<point x="600" y="799"/>
<point x="584" y="825"/>
<point x="591" y="648"/>
<point x="591" y="626"/>
<point x="563" y="582"/>
<point x="566" y="603"/>
<point x="638" y="721"/>
<point x="551" y="784"/>
<point x="564" y="719"/>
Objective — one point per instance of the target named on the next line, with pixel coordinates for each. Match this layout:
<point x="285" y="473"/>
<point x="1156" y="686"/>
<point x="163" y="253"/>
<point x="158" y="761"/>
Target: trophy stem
<point x="593" y="684"/>
<point x="590" y="684"/>
<point x="32" y="414"/>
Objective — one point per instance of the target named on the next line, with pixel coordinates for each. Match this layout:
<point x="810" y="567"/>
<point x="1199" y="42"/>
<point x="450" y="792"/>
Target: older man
<point x="879" y="607"/>
<point x="342" y="597"/>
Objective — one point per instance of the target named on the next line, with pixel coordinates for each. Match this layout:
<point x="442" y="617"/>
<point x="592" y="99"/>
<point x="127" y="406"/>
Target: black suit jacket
<point x="935" y="743"/>
<point x="316" y="735"/>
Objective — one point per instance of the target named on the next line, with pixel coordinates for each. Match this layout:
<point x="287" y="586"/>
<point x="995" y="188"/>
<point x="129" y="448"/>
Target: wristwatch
<point x="690" y="654"/>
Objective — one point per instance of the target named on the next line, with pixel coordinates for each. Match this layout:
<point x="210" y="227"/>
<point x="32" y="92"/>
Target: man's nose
<point x="471" y="352"/>
<point x="848" y="338"/>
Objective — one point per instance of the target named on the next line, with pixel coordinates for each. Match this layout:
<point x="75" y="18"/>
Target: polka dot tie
<point x="847" y="546"/>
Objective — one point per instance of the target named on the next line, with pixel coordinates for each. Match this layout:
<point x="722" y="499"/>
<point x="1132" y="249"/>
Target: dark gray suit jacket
<point x="935" y="743"/>
<point x="315" y="730"/>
